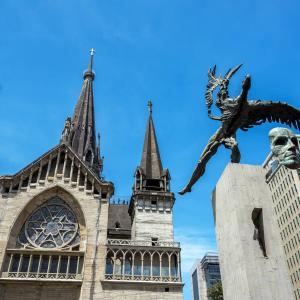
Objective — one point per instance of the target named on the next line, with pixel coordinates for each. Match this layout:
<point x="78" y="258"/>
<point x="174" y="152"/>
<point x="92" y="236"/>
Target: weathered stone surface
<point x="152" y="223"/>
<point x="246" y="273"/>
<point x="16" y="208"/>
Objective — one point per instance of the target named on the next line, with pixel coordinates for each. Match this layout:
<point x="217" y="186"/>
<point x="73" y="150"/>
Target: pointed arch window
<point x="53" y="225"/>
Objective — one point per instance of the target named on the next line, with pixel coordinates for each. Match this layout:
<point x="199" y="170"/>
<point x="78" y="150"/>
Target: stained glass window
<point x="51" y="225"/>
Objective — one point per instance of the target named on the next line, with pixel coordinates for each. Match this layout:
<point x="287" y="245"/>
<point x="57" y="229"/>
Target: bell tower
<point x="152" y="201"/>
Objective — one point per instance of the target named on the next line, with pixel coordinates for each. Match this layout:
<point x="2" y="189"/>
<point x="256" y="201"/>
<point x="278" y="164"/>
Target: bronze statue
<point x="237" y="113"/>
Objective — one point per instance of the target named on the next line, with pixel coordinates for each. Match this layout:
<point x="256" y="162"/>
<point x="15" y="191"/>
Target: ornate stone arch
<point x="34" y="260"/>
<point x="39" y="201"/>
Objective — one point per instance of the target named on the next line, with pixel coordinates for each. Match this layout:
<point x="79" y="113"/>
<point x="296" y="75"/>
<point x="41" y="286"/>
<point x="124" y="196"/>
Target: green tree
<point x="215" y="292"/>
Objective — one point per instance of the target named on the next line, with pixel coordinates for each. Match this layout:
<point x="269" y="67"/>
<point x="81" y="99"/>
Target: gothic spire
<point x="151" y="163"/>
<point x="79" y="132"/>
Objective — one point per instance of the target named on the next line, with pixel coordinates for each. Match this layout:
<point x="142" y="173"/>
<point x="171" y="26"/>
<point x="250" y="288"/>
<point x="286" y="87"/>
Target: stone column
<point x="245" y="270"/>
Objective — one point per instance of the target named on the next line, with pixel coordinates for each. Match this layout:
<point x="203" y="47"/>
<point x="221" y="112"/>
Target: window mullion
<point x="29" y="265"/>
<point x="68" y="265"/>
<point x="58" y="266"/>
<point x="49" y="265"/>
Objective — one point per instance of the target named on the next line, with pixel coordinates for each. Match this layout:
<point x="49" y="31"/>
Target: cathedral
<point x="61" y="235"/>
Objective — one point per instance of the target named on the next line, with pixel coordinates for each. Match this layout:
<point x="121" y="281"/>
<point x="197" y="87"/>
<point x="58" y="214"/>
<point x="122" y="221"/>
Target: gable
<point x="59" y="163"/>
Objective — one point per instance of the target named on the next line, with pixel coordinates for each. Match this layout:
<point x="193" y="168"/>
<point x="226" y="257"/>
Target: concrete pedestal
<point x="247" y="274"/>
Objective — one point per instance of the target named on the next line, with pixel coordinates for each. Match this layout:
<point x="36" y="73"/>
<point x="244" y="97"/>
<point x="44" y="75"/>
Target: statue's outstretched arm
<point x="245" y="89"/>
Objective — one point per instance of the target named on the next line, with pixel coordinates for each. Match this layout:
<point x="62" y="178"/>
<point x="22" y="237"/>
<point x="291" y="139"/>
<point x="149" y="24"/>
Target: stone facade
<point x="153" y="217"/>
<point x="93" y="212"/>
<point x="56" y="241"/>
<point x="34" y="291"/>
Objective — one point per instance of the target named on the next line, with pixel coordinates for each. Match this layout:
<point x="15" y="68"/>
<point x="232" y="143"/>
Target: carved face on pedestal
<point x="285" y="147"/>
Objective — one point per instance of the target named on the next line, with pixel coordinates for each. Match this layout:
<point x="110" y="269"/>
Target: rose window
<point x="52" y="225"/>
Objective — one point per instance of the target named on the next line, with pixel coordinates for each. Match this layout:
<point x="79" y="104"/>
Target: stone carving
<point x="52" y="225"/>
<point x="285" y="147"/>
<point x="237" y="113"/>
<point x="66" y="131"/>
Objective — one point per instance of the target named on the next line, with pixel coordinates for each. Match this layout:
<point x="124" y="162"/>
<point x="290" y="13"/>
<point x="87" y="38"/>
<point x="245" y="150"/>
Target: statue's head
<point x="221" y="82"/>
<point x="285" y="147"/>
<point x="223" y="93"/>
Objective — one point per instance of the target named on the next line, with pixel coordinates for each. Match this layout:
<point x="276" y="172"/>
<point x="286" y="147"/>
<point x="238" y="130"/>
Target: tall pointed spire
<point x="150" y="175"/>
<point x="79" y="132"/>
<point x="151" y="163"/>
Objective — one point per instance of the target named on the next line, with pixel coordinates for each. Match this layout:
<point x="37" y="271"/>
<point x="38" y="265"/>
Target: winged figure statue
<point x="237" y="113"/>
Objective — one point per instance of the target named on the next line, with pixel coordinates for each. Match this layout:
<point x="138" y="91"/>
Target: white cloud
<point x="194" y="244"/>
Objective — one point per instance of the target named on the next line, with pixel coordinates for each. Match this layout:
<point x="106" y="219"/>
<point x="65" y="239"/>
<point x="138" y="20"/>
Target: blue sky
<point x="145" y="49"/>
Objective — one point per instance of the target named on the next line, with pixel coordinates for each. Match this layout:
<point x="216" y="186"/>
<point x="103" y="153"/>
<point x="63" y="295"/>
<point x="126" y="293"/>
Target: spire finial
<point x="89" y="71"/>
<point x="90" y="68"/>
<point x="92" y="51"/>
<point x="150" y="106"/>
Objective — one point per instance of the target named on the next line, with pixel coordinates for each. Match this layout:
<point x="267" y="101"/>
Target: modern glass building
<point x="204" y="274"/>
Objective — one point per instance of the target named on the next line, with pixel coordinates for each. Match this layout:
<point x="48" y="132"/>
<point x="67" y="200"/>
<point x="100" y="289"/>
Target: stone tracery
<point x="52" y="225"/>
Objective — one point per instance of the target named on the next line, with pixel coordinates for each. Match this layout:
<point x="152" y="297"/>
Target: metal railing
<point x="142" y="278"/>
<point x="136" y="243"/>
<point x="52" y="265"/>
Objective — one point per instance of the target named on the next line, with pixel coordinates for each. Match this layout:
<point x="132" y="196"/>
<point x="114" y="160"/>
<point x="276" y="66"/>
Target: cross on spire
<point x="92" y="51"/>
<point x="89" y="72"/>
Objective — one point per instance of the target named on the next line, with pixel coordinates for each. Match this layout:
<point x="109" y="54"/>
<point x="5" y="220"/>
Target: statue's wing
<point x="231" y="72"/>
<point x="213" y="83"/>
<point x="259" y="112"/>
<point x="211" y="86"/>
<point x="209" y="151"/>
